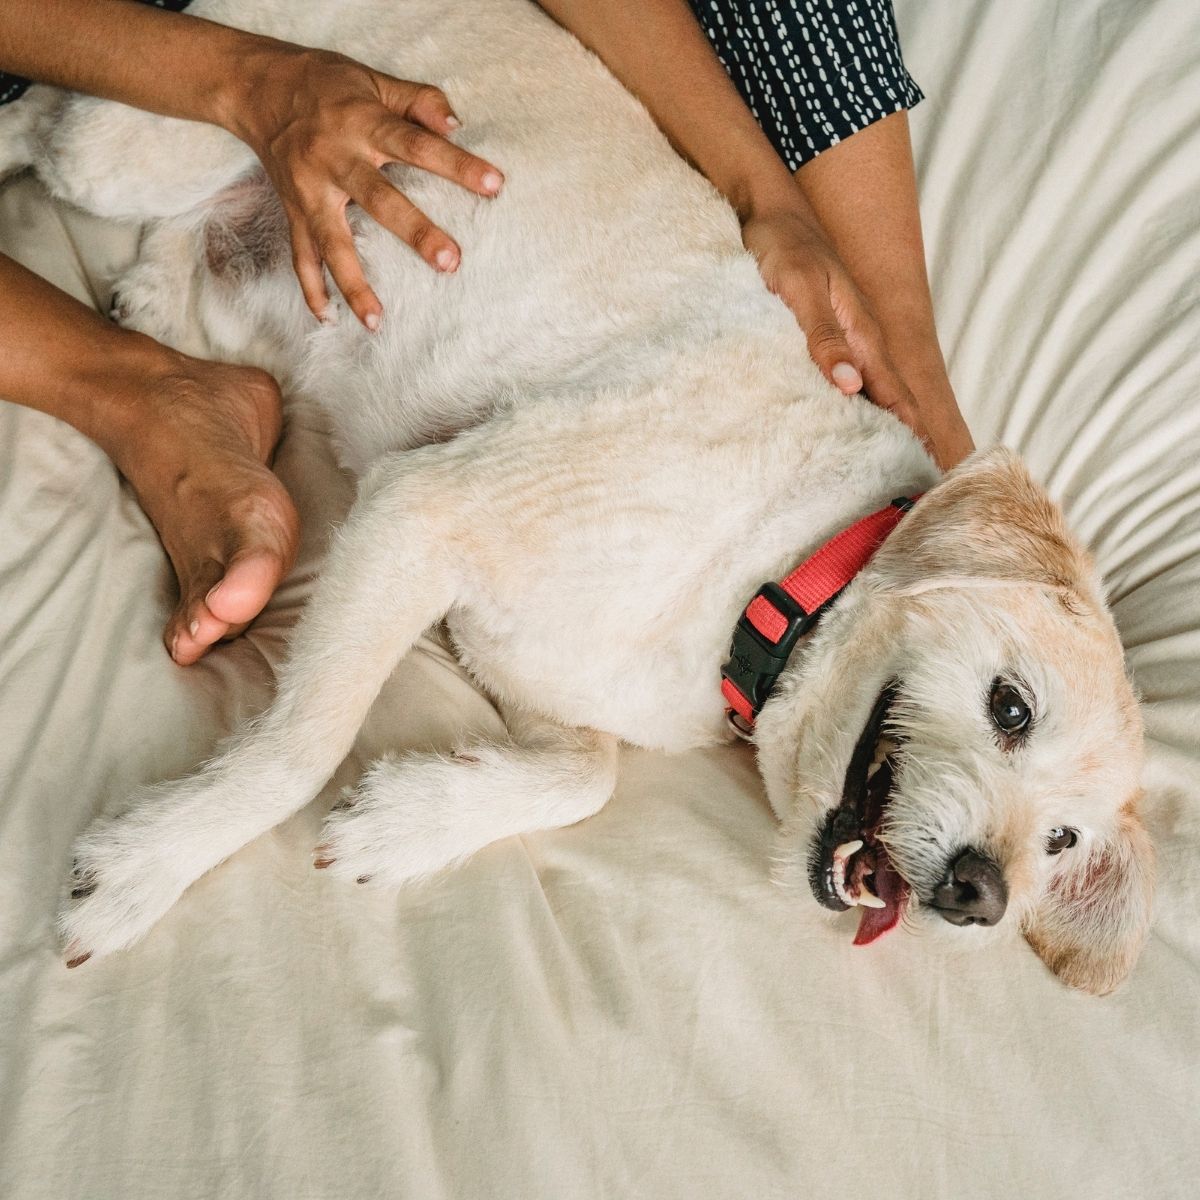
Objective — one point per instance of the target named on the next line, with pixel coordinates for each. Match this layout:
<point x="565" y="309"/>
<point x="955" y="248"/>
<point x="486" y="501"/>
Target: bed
<point x="629" y="1008"/>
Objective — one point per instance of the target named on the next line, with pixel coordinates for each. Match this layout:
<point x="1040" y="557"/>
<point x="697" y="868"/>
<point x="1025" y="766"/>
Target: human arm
<point x="657" y="49"/>
<point x="321" y="124"/>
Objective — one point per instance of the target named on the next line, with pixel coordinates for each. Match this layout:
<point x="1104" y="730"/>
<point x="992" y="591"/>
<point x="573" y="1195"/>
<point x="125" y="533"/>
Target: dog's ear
<point x="988" y="519"/>
<point x="1090" y="926"/>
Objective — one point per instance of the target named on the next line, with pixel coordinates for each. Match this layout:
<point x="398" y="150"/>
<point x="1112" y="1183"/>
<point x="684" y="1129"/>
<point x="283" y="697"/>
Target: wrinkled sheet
<point x="629" y="1008"/>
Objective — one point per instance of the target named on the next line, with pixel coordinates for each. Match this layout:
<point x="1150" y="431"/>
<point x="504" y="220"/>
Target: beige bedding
<point x="628" y="1008"/>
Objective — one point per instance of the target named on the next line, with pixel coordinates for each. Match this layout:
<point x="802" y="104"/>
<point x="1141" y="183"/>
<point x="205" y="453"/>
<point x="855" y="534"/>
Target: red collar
<point x="782" y="613"/>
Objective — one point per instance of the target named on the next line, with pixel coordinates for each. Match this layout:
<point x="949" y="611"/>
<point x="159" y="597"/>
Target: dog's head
<point x="960" y="739"/>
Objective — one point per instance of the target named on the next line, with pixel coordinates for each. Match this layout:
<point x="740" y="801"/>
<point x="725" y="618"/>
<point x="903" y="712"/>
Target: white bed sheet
<point x="628" y="1008"/>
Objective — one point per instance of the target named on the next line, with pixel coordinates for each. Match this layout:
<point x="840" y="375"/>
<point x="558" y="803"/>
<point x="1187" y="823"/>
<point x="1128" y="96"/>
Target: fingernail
<point x="452" y="122"/>
<point x="446" y="259"/>
<point x="372" y="321"/>
<point x="212" y="591"/>
<point x="194" y="628"/>
<point x="846" y="377"/>
<point x="491" y="181"/>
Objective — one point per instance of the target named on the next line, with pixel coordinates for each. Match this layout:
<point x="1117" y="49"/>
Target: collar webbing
<point x="782" y="613"/>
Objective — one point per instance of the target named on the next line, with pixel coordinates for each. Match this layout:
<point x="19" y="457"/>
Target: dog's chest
<point x="613" y="547"/>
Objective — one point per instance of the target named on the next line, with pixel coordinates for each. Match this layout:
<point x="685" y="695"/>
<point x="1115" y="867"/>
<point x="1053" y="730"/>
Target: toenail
<point x="194" y="628"/>
<point x="175" y="646"/>
<point x="212" y="591"/>
<point x="372" y="321"/>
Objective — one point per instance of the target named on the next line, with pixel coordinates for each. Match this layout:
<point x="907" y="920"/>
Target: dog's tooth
<point x="841" y="860"/>
<point x="866" y="897"/>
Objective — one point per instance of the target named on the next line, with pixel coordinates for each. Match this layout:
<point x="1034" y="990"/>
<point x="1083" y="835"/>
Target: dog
<point x="588" y="451"/>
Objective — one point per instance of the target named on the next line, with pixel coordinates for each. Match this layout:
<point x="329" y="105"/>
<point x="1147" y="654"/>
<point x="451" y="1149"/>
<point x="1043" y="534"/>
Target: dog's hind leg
<point x="116" y="161"/>
<point x="155" y="296"/>
<point x="394" y="570"/>
<point x="413" y="815"/>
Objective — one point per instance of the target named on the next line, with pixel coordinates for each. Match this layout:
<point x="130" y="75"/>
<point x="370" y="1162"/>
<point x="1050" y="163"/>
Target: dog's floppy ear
<point x="1090" y="926"/>
<point x="988" y="519"/>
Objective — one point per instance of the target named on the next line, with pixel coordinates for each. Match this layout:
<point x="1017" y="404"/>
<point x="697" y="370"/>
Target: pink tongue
<point x="893" y="891"/>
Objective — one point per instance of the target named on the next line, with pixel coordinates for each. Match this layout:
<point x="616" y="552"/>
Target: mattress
<point x="629" y="1008"/>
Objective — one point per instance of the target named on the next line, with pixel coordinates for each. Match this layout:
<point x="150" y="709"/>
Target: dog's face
<point x="959" y="740"/>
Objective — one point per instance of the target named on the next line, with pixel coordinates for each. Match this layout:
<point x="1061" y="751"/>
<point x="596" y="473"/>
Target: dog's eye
<point x="1060" y="838"/>
<point x="1009" y="710"/>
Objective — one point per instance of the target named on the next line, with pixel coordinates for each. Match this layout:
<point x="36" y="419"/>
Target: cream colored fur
<point x="585" y="451"/>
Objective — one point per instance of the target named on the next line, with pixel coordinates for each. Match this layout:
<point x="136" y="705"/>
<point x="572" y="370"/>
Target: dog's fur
<point x="585" y="451"/>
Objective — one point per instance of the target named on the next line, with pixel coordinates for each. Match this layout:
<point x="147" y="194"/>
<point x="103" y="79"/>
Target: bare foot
<point x="194" y="439"/>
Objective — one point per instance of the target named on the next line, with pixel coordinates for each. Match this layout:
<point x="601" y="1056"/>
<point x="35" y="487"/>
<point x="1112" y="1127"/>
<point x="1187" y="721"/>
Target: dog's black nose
<point x="973" y="891"/>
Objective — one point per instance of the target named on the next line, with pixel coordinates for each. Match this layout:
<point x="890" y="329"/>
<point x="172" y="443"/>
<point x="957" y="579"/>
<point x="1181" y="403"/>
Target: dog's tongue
<point x="893" y="891"/>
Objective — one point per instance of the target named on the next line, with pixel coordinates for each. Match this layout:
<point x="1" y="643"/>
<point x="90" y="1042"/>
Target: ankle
<point x="109" y="390"/>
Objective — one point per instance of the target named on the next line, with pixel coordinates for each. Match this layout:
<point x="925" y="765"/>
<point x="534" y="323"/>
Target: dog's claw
<point x="363" y="879"/>
<point x="74" y="957"/>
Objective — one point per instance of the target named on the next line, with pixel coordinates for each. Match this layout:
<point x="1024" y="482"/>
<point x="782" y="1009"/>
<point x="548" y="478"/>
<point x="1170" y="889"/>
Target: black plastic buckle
<point x="755" y="663"/>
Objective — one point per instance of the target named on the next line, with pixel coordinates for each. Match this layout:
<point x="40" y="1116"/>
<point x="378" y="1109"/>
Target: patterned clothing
<point x="812" y="71"/>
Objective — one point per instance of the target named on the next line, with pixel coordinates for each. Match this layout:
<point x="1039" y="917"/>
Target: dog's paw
<point x="152" y="297"/>
<point x="407" y="819"/>
<point x="120" y="886"/>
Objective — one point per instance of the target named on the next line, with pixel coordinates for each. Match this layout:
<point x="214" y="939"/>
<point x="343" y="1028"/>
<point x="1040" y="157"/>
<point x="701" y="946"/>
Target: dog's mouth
<point x="849" y="866"/>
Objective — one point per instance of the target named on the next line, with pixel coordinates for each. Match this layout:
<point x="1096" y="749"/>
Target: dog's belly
<point x="603" y="248"/>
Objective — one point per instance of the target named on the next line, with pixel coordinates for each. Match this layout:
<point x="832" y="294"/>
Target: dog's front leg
<point x="393" y="572"/>
<point x="413" y="815"/>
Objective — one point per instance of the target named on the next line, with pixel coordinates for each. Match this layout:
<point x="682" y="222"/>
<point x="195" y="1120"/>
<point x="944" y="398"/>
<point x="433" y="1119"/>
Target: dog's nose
<point x="973" y="891"/>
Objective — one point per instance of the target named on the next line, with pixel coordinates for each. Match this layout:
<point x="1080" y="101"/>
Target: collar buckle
<point x="755" y="659"/>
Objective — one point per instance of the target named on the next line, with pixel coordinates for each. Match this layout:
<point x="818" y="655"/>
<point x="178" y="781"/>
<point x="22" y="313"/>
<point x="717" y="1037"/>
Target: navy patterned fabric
<point x="812" y="71"/>
<point x="12" y="86"/>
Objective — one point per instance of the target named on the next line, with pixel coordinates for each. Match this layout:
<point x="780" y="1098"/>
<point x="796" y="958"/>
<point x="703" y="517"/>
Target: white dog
<point x="587" y="451"/>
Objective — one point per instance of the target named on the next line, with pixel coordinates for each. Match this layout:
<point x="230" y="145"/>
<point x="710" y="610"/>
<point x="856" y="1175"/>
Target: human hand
<point x="323" y="125"/>
<point x="844" y="340"/>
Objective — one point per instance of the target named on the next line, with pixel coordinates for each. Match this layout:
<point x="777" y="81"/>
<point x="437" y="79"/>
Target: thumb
<point x="830" y="349"/>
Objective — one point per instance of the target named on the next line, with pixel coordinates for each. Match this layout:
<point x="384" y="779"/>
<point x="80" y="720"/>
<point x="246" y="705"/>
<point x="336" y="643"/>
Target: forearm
<point x="658" y="51"/>
<point x="169" y="63"/>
